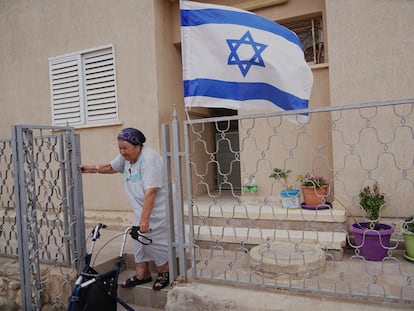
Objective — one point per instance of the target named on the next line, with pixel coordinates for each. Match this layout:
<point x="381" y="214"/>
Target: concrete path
<point x="208" y="297"/>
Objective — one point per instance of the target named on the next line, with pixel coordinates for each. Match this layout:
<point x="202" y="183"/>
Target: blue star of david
<point x="245" y="64"/>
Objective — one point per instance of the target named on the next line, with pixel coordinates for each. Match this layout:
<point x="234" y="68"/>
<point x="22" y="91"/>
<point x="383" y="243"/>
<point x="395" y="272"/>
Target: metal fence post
<point x="21" y="207"/>
<point x="178" y="196"/>
<point x="189" y="197"/>
<point x="166" y="153"/>
<point x="75" y="202"/>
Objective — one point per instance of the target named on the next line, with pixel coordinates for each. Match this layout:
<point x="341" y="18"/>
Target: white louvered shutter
<point x="100" y="91"/>
<point x="65" y="81"/>
<point x="83" y="89"/>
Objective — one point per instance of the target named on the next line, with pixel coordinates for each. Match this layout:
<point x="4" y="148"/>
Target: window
<point x="310" y="33"/>
<point x="83" y="89"/>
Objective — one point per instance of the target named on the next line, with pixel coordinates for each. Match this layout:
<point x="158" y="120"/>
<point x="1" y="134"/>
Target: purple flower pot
<point x="372" y="244"/>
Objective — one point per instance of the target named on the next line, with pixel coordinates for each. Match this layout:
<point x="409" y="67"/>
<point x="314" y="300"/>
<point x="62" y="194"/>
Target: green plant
<point x="282" y="175"/>
<point x="372" y="201"/>
<point x="309" y="180"/>
<point x="408" y="225"/>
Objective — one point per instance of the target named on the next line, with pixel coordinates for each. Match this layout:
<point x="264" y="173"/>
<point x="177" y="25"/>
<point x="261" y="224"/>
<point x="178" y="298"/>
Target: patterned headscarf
<point x="131" y="135"/>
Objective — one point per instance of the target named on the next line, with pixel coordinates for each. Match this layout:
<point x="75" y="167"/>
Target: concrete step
<point x="329" y="240"/>
<point x="234" y="237"/>
<point x="252" y="223"/>
<point x="232" y="211"/>
<point x="143" y="297"/>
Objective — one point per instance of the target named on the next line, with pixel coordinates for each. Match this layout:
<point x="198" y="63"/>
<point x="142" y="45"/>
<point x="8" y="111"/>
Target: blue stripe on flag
<point x="217" y="16"/>
<point x="243" y="91"/>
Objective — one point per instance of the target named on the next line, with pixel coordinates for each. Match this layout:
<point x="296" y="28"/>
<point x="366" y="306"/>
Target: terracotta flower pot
<point x="314" y="196"/>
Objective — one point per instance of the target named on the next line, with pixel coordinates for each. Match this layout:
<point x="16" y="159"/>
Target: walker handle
<point x="95" y="234"/>
<point x="136" y="235"/>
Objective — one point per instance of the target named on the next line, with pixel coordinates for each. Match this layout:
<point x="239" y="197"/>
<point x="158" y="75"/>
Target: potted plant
<point x="372" y="238"/>
<point x="290" y="196"/>
<point x="314" y="189"/>
<point x="408" y="232"/>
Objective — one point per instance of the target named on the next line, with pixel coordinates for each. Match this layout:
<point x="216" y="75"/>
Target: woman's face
<point x="129" y="151"/>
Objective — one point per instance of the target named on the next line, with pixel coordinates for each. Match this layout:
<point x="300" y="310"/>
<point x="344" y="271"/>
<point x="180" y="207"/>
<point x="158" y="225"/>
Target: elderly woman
<point x="143" y="175"/>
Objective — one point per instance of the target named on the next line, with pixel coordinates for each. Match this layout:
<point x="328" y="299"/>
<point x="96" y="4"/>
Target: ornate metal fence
<point x="42" y="211"/>
<point x="8" y="229"/>
<point x="250" y="238"/>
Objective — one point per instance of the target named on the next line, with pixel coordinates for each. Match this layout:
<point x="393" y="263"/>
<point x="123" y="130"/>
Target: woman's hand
<point x="144" y="227"/>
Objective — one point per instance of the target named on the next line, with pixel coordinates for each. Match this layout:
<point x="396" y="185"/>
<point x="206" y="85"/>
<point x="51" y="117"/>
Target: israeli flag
<point x="238" y="60"/>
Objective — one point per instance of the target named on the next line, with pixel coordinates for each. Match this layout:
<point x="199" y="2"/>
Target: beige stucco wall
<point x="371" y="59"/>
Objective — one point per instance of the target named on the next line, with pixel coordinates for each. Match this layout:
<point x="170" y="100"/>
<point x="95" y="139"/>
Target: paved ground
<point x="207" y="297"/>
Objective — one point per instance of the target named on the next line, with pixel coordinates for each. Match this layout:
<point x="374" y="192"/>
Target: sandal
<point x="134" y="281"/>
<point x="161" y="281"/>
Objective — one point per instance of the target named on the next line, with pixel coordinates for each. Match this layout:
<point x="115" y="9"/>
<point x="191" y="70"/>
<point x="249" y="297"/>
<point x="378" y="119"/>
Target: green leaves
<point x="372" y="201"/>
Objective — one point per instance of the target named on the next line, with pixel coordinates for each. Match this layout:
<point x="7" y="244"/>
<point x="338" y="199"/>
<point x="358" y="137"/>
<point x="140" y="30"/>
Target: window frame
<point x="314" y="53"/>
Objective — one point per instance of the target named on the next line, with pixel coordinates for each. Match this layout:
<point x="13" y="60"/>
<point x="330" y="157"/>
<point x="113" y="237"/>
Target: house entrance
<point x="227" y="156"/>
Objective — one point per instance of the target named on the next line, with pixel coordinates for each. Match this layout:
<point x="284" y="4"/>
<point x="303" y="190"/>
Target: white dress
<point x="148" y="172"/>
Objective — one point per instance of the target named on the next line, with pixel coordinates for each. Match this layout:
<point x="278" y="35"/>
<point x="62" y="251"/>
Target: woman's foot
<point x="134" y="281"/>
<point x="162" y="281"/>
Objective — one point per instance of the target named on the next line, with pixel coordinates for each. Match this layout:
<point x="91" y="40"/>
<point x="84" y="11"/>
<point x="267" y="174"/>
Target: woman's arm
<point x="148" y="205"/>
<point x="100" y="168"/>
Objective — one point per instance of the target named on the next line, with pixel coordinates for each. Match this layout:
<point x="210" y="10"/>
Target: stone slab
<point x="296" y="261"/>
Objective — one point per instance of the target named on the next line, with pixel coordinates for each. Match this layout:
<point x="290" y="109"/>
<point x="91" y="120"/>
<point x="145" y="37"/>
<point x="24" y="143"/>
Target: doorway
<point x="227" y="142"/>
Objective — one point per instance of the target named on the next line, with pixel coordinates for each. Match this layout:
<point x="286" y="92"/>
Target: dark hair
<point x="132" y="135"/>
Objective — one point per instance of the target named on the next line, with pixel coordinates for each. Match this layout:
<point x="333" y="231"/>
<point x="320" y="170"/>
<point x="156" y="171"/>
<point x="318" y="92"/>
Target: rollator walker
<point x="98" y="291"/>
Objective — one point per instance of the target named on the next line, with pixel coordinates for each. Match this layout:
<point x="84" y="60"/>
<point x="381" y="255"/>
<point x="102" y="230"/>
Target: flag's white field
<point x="283" y="80"/>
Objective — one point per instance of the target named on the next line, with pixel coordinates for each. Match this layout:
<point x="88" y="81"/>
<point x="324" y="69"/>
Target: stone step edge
<point x="123" y="218"/>
<point x="267" y="211"/>
<point x="333" y="240"/>
<point x="142" y="296"/>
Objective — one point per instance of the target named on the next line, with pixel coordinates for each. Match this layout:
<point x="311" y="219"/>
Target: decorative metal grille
<point x="8" y="230"/>
<point x="352" y="147"/>
<point x="41" y="211"/>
